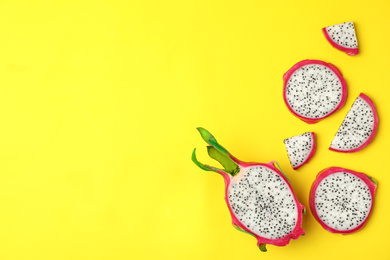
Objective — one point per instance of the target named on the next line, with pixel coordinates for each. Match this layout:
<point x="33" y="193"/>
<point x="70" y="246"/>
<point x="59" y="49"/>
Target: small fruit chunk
<point x="342" y="37"/>
<point x="313" y="90"/>
<point x="358" y="128"/>
<point x="300" y="149"/>
<point x="341" y="200"/>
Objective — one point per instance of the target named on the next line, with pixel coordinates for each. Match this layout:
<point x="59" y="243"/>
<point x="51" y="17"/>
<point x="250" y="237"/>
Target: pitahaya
<point x="343" y="37"/>
<point x="313" y="90"/>
<point x="259" y="197"/>
<point x="358" y="128"/>
<point x="341" y="200"/>
<point x="300" y="149"/>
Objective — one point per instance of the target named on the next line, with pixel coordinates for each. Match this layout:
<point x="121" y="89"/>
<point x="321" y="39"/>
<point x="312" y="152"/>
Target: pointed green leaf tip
<point x="203" y="166"/>
<point x="218" y="153"/>
<point x="280" y="168"/>
<point x="242" y="230"/>
<point x="199" y="164"/>
<point x="262" y="247"/>
<point x="210" y="139"/>
<point x="373" y="180"/>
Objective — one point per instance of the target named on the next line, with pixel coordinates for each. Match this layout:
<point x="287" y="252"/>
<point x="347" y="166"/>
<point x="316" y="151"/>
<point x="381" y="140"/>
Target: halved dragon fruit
<point x="343" y="37"/>
<point x="358" y="128"/>
<point x="259" y="197"/>
<point x="341" y="200"/>
<point x="300" y="149"/>
<point x="313" y="90"/>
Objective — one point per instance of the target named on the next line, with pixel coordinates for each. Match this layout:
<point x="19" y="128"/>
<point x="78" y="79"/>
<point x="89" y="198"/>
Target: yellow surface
<point x="99" y="101"/>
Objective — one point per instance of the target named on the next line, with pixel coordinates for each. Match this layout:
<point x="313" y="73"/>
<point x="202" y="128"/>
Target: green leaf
<point x="242" y="230"/>
<point x="262" y="247"/>
<point x="210" y="139"/>
<point x="217" y="152"/>
<point x="280" y="168"/>
<point x="199" y="164"/>
<point x="230" y="166"/>
<point x="373" y="180"/>
<point x="203" y="166"/>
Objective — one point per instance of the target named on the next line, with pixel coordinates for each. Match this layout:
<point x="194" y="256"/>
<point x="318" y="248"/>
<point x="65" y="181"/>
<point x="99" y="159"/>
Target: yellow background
<point x="99" y="101"/>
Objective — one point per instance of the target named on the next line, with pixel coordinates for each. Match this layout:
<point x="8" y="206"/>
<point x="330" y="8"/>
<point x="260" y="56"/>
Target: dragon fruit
<point x="341" y="200"/>
<point x="358" y="128"/>
<point x="259" y="197"/>
<point x="300" y="149"/>
<point x="313" y="90"/>
<point x="343" y="37"/>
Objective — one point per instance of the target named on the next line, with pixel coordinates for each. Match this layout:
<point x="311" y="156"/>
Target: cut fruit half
<point x="259" y="196"/>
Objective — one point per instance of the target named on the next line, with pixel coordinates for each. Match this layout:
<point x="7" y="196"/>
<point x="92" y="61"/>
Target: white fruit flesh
<point x="343" y="34"/>
<point x="342" y="201"/>
<point x="263" y="202"/>
<point x="299" y="148"/>
<point x="313" y="91"/>
<point x="356" y="128"/>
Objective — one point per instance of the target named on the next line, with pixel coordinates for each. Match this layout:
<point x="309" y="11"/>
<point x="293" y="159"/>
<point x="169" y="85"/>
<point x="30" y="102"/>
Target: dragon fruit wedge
<point x="358" y="128"/>
<point x="259" y="197"/>
<point x="341" y="200"/>
<point x="313" y="90"/>
<point x="343" y="37"/>
<point x="300" y="149"/>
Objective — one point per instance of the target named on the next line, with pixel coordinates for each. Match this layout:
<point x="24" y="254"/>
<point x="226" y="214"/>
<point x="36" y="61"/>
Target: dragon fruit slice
<point x="300" y="149"/>
<point x="358" y="128"/>
<point x="259" y="197"/>
<point x="343" y="37"/>
<point x="341" y="200"/>
<point x="313" y="90"/>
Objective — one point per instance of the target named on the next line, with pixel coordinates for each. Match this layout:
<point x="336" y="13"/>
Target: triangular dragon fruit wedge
<point x="313" y="90"/>
<point x="358" y="128"/>
<point x="341" y="200"/>
<point x="259" y="197"/>
<point x="343" y="37"/>
<point x="300" y="149"/>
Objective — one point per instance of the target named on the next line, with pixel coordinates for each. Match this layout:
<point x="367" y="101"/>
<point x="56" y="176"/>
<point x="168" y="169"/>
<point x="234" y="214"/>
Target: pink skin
<point x="326" y="172"/>
<point x="371" y="104"/>
<point x="288" y="74"/>
<point x="298" y="231"/>
<point x="348" y="51"/>
<point x="313" y="149"/>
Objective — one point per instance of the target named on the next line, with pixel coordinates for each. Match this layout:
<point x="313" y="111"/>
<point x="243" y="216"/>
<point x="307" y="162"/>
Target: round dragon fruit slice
<point x="259" y="197"/>
<point x="300" y="149"/>
<point x="342" y="37"/>
<point x="341" y="200"/>
<point x="358" y="128"/>
<point x="313" y="90"/>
